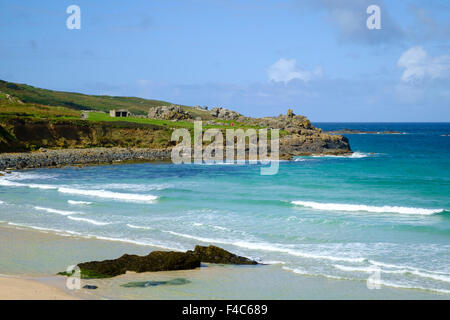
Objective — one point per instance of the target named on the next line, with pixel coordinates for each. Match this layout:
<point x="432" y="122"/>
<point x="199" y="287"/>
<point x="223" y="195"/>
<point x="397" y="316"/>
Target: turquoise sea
<point x="384" y="210"/>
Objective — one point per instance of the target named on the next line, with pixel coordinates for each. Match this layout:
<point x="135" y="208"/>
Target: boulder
<point x="155" y="261"/>
<point x="171" y="112"/>
<point x="159" y="261"/>
<point x="225" y="114"/>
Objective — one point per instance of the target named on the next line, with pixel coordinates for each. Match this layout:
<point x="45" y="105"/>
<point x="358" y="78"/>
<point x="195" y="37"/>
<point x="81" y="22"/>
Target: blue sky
<point x="258" y="57"/>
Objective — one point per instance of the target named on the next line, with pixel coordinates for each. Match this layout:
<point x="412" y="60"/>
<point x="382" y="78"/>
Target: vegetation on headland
<point x="33" y="118"/>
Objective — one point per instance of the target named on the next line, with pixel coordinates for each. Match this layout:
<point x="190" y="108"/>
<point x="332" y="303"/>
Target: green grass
<point x="78" y="101"/>
<point x="98" y="116"/>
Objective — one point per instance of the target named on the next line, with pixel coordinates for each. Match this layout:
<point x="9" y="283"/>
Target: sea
<point x="382" y="213"/>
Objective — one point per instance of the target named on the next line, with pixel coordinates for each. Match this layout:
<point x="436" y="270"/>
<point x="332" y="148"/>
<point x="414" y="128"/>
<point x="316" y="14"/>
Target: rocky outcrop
<point x="225" y="114"/>
<point x="155" y="261"/>
<point x="160" y="261"/>
<point x="213" y="254"/>
<point x="313" y="142"/>
<point x="302" y="137"/>
<point x="171" y="112"/>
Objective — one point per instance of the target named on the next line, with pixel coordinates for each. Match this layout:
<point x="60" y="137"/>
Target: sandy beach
<point x="30" y="259"/>
<point x="13" y="288"/>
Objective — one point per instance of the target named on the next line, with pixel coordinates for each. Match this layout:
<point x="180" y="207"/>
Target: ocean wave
<point x="412" y="270"/>
<point x="139" y="227"/>
<point x="358" y="207"/>
<point x="61" y="212"/>
<point x="135" y="187"/>
<point x="97" y="223"/>
<point x="198" y="224"/>
<point x="354" y="155"/>
<point x="73" y="202"/>
<point x="267" y="247"/>
<point x="92" y="236"/>
<point x="306" y="273"/>
<point x="57" y="231"/>
<point x="404" y="286"/>
<point x="2" y="202"/>
<point x="27" y="176"/>
<point x="8" y="183"/>
<point x="109" y="194"/>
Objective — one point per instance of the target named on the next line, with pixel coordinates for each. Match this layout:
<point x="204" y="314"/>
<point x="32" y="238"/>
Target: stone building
<point x="119" y="113"/>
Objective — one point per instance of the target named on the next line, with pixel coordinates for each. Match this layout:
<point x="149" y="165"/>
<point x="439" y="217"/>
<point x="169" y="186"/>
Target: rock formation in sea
<point x="160" y="261"/>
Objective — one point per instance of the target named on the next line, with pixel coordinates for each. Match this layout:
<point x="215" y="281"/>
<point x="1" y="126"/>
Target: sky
<point x="258" y="57"/>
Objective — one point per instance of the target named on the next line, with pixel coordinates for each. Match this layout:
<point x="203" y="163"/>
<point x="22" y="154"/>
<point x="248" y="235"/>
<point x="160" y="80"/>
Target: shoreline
<point x="50" y="158"/>
<point x="58" y="158"/>
<point x="53" y="252"/>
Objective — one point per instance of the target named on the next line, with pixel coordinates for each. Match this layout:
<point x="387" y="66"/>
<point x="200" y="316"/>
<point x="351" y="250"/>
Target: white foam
<point x="78" y="202"/>
<point x="2" y="202"/>
<point x="220" y="228"/>
<point x="58" y="231"/>
<point x="359" y="207"/>
<point x="295" y="270"/>
<point x="135" y="187"/>
<point x="403" y="286"/>
<point x="303" y="272"/>
<point x="97" y="223"/>
<point x="109" y="194"/>
<point x="354" y="155"/>
<point x="8" y="183"/>
<point x="268" y="247"/>
<point x="61" y="212"/>
<point x="29" y="176"/>
<point x="139" y="227"/>
<point x="416" y="271"/>
<point x="91" y="236"/>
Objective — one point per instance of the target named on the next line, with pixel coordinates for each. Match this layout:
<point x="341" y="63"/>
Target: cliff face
<point x="20" y="135"/>
<point x="298" y="136"/>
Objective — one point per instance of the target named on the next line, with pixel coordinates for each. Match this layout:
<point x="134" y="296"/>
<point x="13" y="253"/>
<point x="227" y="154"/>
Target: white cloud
<point x="419" y="65"/>
<point x="285" y="70"/>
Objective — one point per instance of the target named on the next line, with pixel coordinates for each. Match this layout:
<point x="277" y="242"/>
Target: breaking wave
<point x="359" y="207"/>
<point x="109" y="194"/>
<point x="61" y="212"/>
<point x="97" y="223"/>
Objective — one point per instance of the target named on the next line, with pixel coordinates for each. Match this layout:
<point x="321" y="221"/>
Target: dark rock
<point x="90" y="287"/>
<point x="155" y="261"/>
<point x="213" y="254"/>
<point x="160" y="261"/>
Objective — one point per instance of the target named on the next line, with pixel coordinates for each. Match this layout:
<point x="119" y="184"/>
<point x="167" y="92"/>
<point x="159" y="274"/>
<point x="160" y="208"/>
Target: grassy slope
<point x="78" y="101"/>
<point x="29" y="105"/>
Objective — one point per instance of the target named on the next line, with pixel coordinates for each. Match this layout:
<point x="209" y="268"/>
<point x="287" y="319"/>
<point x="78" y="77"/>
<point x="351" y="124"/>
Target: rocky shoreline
<point x="66" y="157"/>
